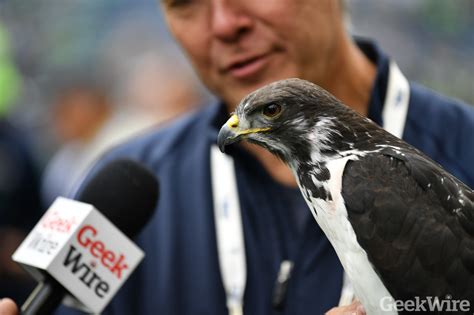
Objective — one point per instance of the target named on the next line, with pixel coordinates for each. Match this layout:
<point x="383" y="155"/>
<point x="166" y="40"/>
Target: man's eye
<point x="271" y="110"/>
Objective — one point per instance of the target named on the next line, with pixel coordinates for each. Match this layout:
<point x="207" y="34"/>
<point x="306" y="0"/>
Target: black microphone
<point x="126" y="193"/>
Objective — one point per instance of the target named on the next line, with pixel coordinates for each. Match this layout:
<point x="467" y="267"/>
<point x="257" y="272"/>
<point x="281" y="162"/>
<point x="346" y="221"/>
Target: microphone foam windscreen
<point x="125" y="192"/>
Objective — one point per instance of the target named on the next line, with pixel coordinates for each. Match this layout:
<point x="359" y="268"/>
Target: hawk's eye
<point x="271" y="110"/>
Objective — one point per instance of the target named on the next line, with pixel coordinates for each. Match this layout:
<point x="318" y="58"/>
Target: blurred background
<point x="79" y="76"/>
<point x="124" y="46"/>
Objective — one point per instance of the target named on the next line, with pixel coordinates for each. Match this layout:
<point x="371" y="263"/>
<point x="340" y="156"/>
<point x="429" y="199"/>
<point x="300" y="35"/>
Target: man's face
<point x="237" y="46"/>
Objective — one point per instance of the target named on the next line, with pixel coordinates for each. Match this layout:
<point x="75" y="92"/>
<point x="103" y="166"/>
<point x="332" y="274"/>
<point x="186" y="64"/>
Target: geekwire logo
<point x="42" y="244"/>
<point x="89" y="239"/>
<point x="425" y="304"/>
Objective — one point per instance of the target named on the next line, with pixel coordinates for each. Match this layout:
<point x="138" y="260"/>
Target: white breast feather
<point x="332" y="218"/>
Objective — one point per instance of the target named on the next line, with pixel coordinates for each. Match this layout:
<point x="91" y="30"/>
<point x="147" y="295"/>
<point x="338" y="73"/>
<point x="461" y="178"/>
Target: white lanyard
<point x="229" y="230"/>
<point x="227" y="214"/>
<point x="395" y="108"/>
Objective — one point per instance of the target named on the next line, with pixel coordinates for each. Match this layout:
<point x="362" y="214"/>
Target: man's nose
<point x="230" y="20"/>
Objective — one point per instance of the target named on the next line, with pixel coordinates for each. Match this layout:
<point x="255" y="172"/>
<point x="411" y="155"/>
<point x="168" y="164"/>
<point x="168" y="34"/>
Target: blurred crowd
<point x="53" y="128"/>
<point x="89" y="109"/>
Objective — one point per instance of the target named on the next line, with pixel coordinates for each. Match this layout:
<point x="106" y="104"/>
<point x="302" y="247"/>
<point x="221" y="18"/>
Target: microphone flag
<point x="81" y="249"/>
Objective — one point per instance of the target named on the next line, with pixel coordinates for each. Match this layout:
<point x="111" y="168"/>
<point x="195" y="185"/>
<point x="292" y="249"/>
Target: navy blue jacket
<point x="19" y="201"/>
<point x="19" y="180"/>
<point x="180" y="274"/>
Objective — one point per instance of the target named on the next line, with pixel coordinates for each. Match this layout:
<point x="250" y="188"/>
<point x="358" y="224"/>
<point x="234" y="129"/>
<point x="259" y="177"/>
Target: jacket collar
<point x="379" y="89"/>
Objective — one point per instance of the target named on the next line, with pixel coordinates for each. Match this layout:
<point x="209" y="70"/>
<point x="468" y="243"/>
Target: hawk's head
<point x="294" y="119"/>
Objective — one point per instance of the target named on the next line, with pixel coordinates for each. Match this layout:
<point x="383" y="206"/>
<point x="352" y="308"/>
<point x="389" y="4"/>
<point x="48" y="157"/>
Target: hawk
<point x="402" y="227"/>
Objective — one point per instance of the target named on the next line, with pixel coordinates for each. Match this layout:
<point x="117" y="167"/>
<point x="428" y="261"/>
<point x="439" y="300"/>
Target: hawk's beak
<point x="229" y="133"/>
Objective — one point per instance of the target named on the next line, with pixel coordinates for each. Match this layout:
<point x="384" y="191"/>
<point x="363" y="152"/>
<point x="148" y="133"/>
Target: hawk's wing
<point x="415" y="222"/>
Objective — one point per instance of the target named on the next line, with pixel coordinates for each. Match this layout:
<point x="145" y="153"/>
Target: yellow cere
<point x="233" y="121"/>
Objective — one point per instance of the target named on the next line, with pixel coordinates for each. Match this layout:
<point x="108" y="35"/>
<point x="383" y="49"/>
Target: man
<point x="236" y="47"/>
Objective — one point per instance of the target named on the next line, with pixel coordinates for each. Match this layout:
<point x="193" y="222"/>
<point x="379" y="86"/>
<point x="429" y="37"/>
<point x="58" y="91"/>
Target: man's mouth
<point x="247" y="67"/>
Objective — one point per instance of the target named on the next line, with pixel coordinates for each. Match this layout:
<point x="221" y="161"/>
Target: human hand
<point x="8" y="307"/>
<point x="353" y="309"/>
